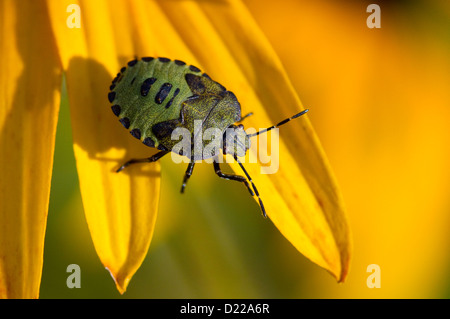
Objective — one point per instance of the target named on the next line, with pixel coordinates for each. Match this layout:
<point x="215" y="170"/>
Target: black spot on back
<point x="173" y="97"/>
<point x="170" y="102"/>
<point x="123" y="69"/>
<point x="147" y="59"/>
<point x="163" y="93"/>
<point x="116" y="109"/>
<point x="194" y="68"/>
<point x="195" y="83"/>
<point x="164" y="129"/>
<point x="164" y="60"/>
<point x="136" y="133"/>
<point x="132" y="62"/>
<point x="125" y="122"/>
<point x="149" y="142"/>
<point x="146" y="85"/>
<point x="178" y="62"/>
<point x="132" y="81"/>
<point x="111" y="96"/>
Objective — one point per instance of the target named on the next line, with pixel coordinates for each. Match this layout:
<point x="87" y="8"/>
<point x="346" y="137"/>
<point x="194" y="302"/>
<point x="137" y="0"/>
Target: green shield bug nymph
<point x="154" y="96"/>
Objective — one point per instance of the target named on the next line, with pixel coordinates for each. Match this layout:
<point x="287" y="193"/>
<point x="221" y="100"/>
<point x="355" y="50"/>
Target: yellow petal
<point x="29" y="104"/>
<point x="302" y="198"/>
<point x="120" y="208"/>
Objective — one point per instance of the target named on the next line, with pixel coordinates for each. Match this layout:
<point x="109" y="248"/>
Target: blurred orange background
<point x="379" y="100"/>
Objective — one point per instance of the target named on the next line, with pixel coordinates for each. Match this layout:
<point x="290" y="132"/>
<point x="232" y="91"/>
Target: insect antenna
<point x="279" y="124"/>
<point x="245" y="116"/>
<point x="254" y="187"/>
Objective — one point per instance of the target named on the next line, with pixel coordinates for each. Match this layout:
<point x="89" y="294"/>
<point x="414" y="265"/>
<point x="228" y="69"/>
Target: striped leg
<point x="232" y="177"/>
<point x="261" y="205"/>
<point x="187" y="175"/>
<point x="153" y="158"/>
<point x="243" y="180"/>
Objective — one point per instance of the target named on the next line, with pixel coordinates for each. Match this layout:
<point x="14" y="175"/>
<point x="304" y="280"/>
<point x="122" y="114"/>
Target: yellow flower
<point x="41" y="41"/>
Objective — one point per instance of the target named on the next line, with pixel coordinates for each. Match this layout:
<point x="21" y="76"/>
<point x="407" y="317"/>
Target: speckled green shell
<point x="153" y="96"/>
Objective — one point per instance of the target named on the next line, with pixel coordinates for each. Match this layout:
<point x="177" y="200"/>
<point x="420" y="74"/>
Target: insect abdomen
<point x="147" y="92"/>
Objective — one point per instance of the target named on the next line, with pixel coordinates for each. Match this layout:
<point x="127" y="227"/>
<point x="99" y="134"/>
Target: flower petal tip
<point x="120" y="281"/>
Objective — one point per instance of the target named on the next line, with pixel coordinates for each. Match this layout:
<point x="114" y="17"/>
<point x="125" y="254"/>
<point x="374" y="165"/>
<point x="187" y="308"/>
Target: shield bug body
<point x="154" y="96"/>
